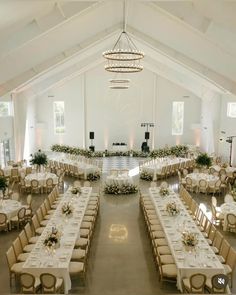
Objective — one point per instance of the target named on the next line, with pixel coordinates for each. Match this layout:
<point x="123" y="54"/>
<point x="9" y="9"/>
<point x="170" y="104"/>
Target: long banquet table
<point x="203" y="259"/>
<point x="57" y="263"/>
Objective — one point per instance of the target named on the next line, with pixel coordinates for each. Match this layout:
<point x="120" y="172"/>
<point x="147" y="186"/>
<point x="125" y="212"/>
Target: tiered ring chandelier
<point x="124" y="57"/>
<point x="119" y="83"/>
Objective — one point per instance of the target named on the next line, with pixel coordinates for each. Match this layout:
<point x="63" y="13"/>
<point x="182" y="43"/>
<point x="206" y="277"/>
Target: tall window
<point x="231" y="109"/>
<point x="59" y="117"/>
<point x="177" y="118"/>
<point x="5" y="108"/>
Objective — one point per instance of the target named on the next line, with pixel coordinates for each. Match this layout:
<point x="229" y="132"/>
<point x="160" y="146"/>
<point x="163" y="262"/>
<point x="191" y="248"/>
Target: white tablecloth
<point x="7" y="170"/>
<point x="41" y="177"/>
<point x="86" y="168"/>
<point x="10" y="207"/>
<point x="204" y="259"/>
<point x="119" y="180"/>
<point x="156" y="166"/>
<point x="196" y="177"/>
<point x="225" y="209"/>
<point x="229" y="170"/>
<point x="39" y="261"/>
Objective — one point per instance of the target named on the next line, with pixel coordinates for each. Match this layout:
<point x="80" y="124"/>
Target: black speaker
<point x="91" y="135"/>
<point x="92" y="148"/>
<point x="147" y="135"/>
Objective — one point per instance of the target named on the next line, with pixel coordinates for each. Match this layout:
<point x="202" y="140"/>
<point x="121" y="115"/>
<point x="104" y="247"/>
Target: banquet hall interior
<point x="117" y="147"/>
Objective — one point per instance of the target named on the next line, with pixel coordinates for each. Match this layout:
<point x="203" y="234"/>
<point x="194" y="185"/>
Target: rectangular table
<point x="203" y="259"/>
<point x="57" y="263"/>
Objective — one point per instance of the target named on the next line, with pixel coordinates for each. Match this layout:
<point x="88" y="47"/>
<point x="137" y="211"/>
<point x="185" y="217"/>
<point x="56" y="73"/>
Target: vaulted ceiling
<point x="192" y="43"/>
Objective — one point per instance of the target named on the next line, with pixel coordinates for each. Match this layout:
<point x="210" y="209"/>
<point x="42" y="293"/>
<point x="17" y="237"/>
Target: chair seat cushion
<point x="81" y="242"/>
<point x="227" y="268"/>
<point x="88" y="218"/>
<point x="154" y="221"/>
<point x="75" y="267"/>
<point x="216" y="251"/>
<point x="221" y="258"/>
<point x="22" y="257"/>
<point x="33" y="240"/>
<point x="167" y="259"/>
<point x="160" y="242"/>
<point x="159" y="234"/>
<point x="156" y="227"/>
<point x="87" y="225"/>
<point x="28" y="248"/>
<point x="43" y="222"/>
<point x="90" y="212"/>
<point x="84" y="233"/>
<point x="78" y="254"/>
<point x="169" y="270"/>
<point x="163" y="250"/>
<point x="39" y="230"/>
<point x="17" y="267"/>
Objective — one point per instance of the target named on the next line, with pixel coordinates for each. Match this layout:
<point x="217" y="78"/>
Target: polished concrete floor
<point x="120" y="260"/>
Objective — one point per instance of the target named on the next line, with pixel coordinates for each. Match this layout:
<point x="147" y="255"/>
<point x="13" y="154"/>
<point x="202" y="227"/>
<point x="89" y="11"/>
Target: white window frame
<point x="9" y="107"/>
<point x="231" y="113"/>
<point x="175" y="115"/>
<point x="59" y="129"/>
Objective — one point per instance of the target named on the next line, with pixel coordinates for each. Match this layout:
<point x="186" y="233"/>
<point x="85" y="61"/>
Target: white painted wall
<point x="116" y="115"/>
<point x="72" y="93"/>
<point x="227" y="128"/>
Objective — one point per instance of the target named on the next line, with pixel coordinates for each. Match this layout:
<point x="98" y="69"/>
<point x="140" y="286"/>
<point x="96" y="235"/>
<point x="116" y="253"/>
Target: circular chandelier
<point x="124" y="57"/>
<point x="119" y="83"/>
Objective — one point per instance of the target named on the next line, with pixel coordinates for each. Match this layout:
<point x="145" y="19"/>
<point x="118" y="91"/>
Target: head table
<point x="57" y="262"/>
<point x="202" y="259"/>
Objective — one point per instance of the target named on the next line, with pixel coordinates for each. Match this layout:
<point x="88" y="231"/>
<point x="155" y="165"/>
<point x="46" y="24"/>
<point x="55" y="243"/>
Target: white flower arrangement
<point x="172" y="209"/>
<point x="164" y="191"/>
<point x="75" y="190"/>
<point x="146" y="176"/>
<point x="189" y="239"/>
<point x="67" y="209"/>
<point x="123" y="189"/>
<point x="53" y="239"/>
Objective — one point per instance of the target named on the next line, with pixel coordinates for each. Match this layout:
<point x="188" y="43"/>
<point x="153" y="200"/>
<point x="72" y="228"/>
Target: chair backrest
<point x="17" y="246"/>
<point x="29" y="200"/>
<point x="14" y="172"/>
<point x="164" y="184"/>
<point x="218" y="183"/>
<point x="197" y="282"/>
<point x="28" y="231"/>
<point x="231" y="219"/>
<point x="231" y="258"/>
<point x="27" y="282"/>
<point x="23" y="239"/>
<point x="3" y="219"/>
<point x="34" y="183"/>
<point x="212" y="232"/>
<point x="224" y="249"/>
<point x="212" y="170"/>
<point x="49" y="182"/>
<point x="188" y="181"/>
<point x="228" y="198"/>
<point x="48" y="282"/>
<point x="217" y="240"/>
<point x="11" y="257"/>
<point x="222" y="171"/>
<point x="214" y="201"/>
<point x="21" y="214"/>
<point x="203" y="183"/>
<point x="35" y="222"/>
<point x="219" y="283"/>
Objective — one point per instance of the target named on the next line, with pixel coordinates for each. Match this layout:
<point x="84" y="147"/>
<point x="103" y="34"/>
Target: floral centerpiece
<point x="146" y="176"/>
<point x="93" y="176"/>
<point x="164" y="191"/>
<point x="3" y="184"/>
<point x="75" y="190"/>
<point x="39" y="159"/>
<point x="67" y="209"/>
<point x="53" y="239"/>
<point x="172" y="209"/>
<point x="203" y="160"/>
<point x="189" y="240"/>
<point x="123" y="189"/>
<point x="233" y="192"/>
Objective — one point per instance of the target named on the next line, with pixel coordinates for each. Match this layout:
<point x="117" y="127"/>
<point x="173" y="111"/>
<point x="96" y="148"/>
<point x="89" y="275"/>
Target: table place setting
<point x="53" y="250"/>
<point x="188" y="246"/>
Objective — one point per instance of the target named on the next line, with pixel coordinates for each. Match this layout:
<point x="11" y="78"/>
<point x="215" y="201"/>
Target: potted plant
<point x="203" y="160"/>
<point x="39" y="159"/>
<point x="3" y="185"/>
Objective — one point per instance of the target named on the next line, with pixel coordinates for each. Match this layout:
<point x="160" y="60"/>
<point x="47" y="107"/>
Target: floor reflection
<point x="118" y="232"/>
